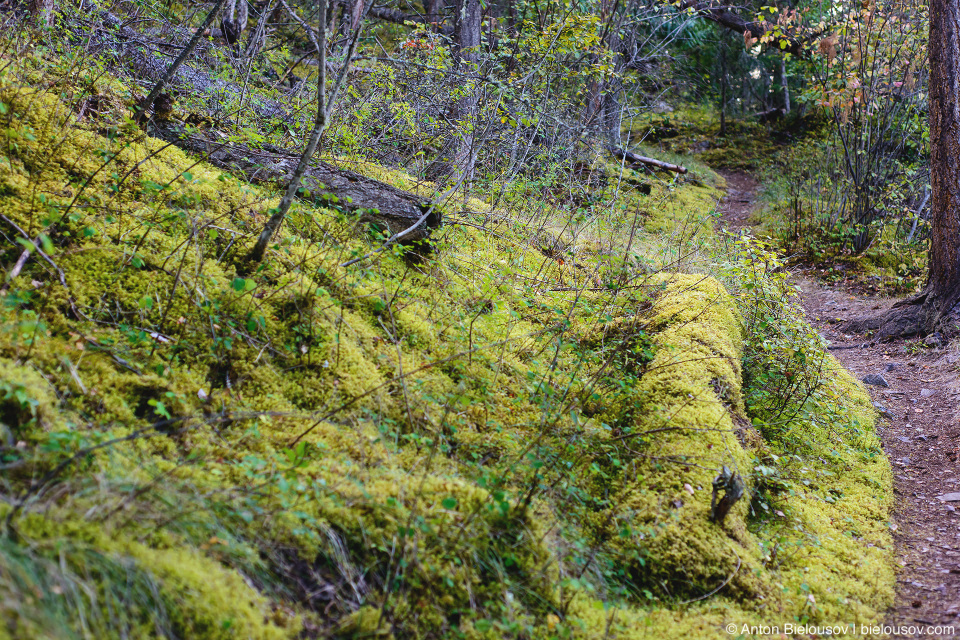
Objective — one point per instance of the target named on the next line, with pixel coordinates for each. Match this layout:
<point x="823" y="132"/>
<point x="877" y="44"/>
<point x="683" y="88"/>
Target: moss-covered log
<point x="389" y="207"/>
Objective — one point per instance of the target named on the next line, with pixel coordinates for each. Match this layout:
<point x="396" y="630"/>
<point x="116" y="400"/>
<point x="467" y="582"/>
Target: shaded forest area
<point x="421" y="320"/>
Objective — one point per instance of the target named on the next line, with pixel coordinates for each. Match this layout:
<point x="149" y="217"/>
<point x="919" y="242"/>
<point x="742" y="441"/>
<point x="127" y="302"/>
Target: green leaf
<point x="449" y="503"/>
<point x="146" y="302"/>
<point x="243" y="284"/>
<point x="159" y="408"/>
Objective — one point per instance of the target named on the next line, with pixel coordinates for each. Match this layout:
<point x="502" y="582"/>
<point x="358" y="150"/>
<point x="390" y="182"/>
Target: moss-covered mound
<point x="502" y="440"/>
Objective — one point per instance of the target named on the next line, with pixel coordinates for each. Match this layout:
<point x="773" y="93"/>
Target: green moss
<point x="500" y="440"/>
<point x="112" y="586"/>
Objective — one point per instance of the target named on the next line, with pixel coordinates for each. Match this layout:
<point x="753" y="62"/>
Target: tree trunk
<point x="373" y="201"/>
<point x="612" y="109"/>
<point x="634" y="158"/>
<point x="324" y="110"/>
<point x="723" y="90"/>
<point x="458" y="155"/>
<point x="944" y="283"/>
<point x="931" y="309"/>
<point x="433" y="8"/>
<point x="42" y="12"/>
<point x="786" y="85"/>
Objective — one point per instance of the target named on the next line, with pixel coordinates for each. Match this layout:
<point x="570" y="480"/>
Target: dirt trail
<point x="920" y="434"/>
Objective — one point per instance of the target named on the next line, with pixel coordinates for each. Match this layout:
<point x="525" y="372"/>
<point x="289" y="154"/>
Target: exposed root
<point x="920" y="315"/>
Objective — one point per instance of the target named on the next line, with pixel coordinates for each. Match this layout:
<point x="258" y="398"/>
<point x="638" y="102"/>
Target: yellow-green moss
<point x="498" y="434"/>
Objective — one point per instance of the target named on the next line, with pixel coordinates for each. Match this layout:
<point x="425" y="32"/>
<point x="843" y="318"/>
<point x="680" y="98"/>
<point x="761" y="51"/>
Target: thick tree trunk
<point x="433" y="9"/>
<point x="931" y="309"/>
<point x="945" y="151"/>
<point x="42" y="12"/>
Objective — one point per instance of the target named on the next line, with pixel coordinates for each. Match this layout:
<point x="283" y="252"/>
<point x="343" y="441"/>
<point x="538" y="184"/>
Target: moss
<point x="171" y="591"/>
<point x="27" y="403"/>
<point x="502" y="439"/>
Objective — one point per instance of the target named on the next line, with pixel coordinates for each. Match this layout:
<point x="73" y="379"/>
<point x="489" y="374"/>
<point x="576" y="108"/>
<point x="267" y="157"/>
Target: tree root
<point x="920" y="315"/>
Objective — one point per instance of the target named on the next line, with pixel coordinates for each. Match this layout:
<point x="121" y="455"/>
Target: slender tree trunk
<point x="469" y="19"/>
<point x="723" y="90"/>
<point x="786" y="85"/>
<point x="458" y="156"/>
<point x="931" y="309"/>
<point x="612" y="108"/>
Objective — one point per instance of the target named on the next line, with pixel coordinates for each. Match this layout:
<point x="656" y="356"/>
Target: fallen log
<point x="634" y="158"/>
<point x="392" y="209"/>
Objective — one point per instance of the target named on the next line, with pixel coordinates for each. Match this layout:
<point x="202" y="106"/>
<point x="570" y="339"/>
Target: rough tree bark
<point x="235" y="22"/>
<point x="41" y="11"/>
<point x="931" y="309"/>
<point x="457" y="157"/>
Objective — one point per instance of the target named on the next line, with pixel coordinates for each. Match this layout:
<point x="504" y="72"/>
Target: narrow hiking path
<point x="919" y="429"/>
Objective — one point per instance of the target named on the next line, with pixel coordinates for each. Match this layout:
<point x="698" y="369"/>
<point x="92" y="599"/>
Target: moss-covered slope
<point x="495" y="442"/>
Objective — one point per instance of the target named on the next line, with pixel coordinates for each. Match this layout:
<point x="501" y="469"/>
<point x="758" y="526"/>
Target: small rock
<point x="886" y="413"/>
<point x="934" y="340"/>
<point x="904" y="439"/>
<point x="905" y="461"/>
<point x="950" y="497"/>
<point x="926" y="393"/>
<point x="688" y="488"/>
<point x="875" y="379"/>
<point x="891" y="366"/>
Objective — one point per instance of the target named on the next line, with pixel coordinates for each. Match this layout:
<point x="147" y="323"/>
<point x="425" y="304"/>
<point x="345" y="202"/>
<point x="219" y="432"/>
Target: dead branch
<point x="634" y="158"/>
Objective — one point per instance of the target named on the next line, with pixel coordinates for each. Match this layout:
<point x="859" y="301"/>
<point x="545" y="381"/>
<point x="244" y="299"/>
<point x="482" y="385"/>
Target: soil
<point x="919" y="429"/>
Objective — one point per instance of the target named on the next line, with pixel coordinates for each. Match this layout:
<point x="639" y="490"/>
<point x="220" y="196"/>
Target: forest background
<point x="366" y="320"/>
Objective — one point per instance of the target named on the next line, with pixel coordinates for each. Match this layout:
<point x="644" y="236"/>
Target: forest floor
<point x="919" y="429"/>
